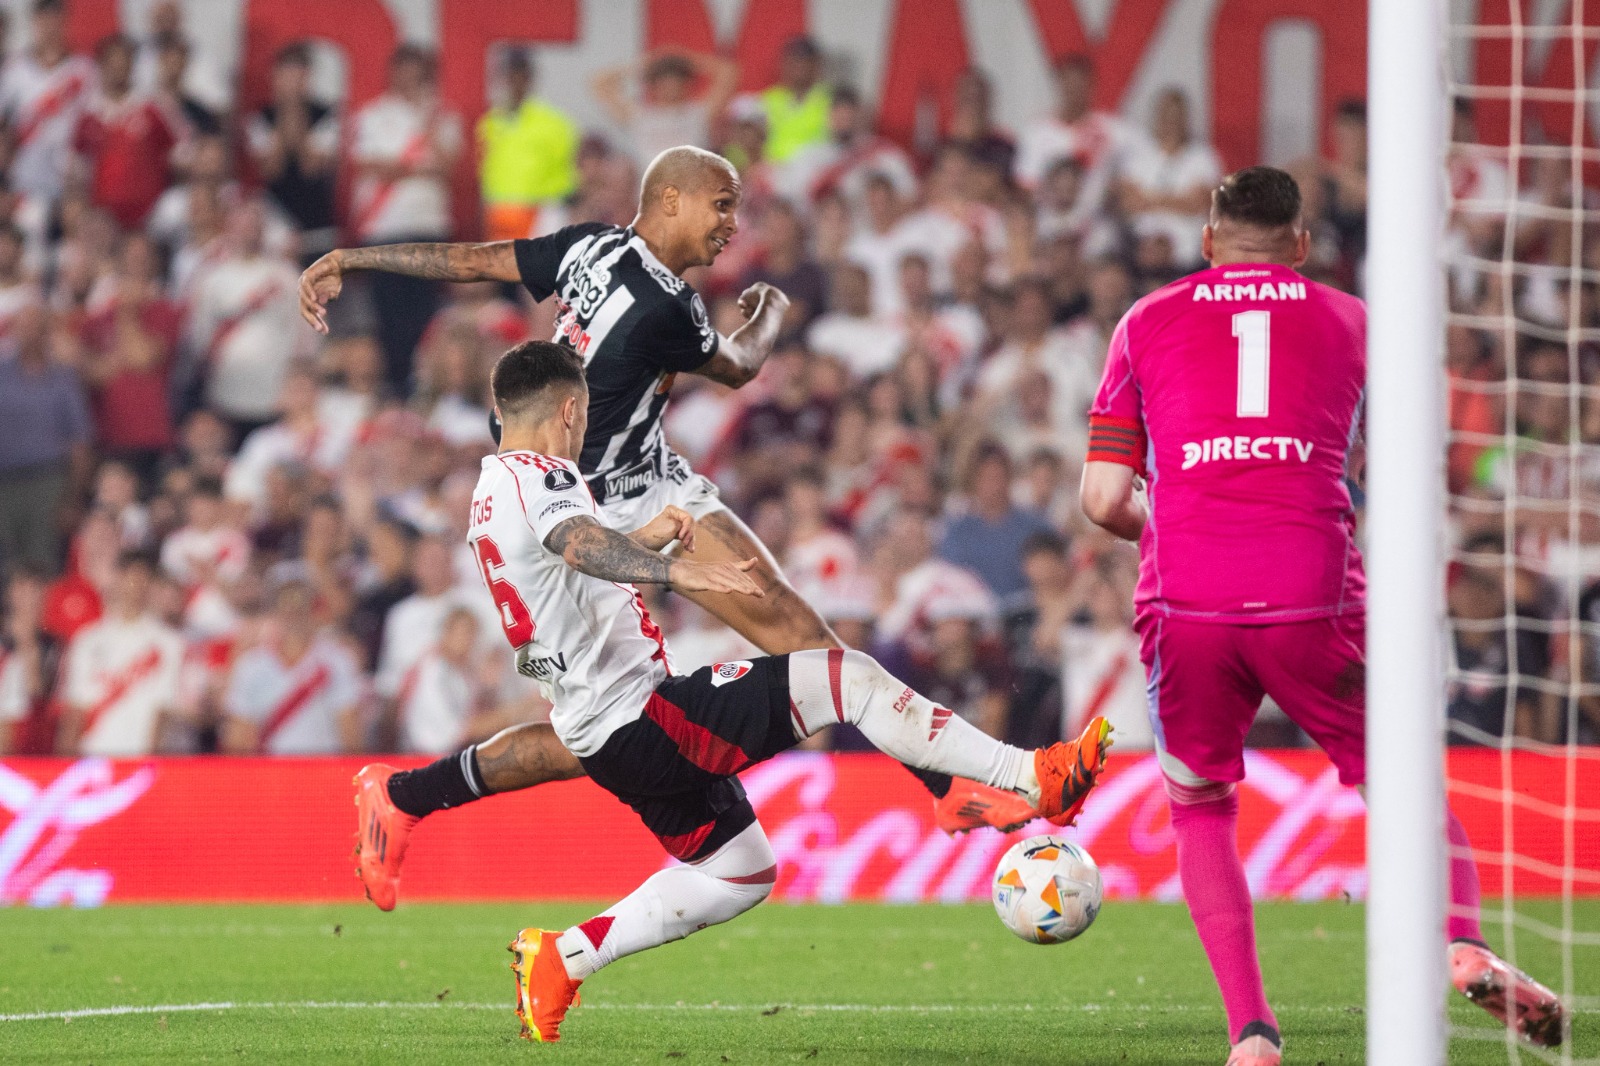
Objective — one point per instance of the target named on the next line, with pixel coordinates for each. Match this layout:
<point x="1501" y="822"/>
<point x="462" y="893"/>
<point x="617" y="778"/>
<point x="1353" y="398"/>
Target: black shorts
<point x="675" y="765"/>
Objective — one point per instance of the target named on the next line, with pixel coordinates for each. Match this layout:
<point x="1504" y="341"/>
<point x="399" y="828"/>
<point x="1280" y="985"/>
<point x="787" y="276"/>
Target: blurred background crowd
<point x="220" y="531"/>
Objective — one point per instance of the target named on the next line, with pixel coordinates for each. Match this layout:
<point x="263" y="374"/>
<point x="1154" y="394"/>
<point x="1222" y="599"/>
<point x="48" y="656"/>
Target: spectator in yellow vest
<point x="529" y="154"/>
<point x="797" y="107"/>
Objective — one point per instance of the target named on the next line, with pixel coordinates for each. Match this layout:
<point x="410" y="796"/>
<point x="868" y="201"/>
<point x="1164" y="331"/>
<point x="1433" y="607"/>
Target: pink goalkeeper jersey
<point x="1238" y="391"/>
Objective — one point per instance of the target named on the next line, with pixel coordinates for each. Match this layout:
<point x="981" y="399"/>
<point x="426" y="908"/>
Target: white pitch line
<point x="182" y="1008"/>
<point x="844" y="1008"/>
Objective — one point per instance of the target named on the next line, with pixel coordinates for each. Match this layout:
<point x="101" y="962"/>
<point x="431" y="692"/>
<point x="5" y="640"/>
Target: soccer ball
<point x="1046" y="890"/>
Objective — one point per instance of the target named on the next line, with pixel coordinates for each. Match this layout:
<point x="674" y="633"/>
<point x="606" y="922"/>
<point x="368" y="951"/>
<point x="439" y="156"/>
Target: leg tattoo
<point x="524" y="756"/>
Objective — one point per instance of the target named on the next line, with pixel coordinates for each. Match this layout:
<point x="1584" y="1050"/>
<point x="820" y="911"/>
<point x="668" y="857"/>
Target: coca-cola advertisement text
<point x="844" y="827"/>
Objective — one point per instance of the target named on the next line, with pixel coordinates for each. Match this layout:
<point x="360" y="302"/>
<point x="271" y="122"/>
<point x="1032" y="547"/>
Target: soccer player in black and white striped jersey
<point x="623" y="305"/>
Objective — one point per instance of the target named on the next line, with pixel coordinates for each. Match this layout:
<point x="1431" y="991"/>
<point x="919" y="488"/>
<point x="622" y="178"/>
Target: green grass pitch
<point x="854" y="984"/>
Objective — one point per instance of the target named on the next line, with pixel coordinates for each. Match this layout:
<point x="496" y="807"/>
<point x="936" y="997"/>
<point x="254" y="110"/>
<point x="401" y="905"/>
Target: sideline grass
<point x="855" y="984"/>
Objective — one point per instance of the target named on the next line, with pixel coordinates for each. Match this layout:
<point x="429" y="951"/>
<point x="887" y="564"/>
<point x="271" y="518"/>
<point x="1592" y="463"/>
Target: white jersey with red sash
<point x="434" y="705"/>
<point x="825" y="567"/>
<point x="119" y="675"/>
<point x="246" y="319"/>
<point x="42" y="105"/>
<point x="295" y="707"/>
<point x="1101" y="674"/>
<point x="189" y="551"/>
<point x="188" y="555"/>
<point x="393" y="130"/>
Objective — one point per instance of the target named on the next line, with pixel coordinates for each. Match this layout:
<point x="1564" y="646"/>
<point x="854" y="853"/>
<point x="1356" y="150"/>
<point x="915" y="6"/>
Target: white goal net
<point x="1521" y="256"/>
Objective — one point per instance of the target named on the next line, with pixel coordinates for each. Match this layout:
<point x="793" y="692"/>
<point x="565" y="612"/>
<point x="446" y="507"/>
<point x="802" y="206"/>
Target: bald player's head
<point x="685" y="168"/>
<point x="687" y="206"/>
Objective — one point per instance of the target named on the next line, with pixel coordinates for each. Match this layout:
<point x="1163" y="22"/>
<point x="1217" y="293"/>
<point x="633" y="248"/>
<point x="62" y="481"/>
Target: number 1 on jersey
<point x="1254" y="330"/>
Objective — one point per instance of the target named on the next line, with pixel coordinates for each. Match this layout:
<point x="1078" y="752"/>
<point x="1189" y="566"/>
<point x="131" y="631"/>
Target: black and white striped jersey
<point x="636" y="324"/>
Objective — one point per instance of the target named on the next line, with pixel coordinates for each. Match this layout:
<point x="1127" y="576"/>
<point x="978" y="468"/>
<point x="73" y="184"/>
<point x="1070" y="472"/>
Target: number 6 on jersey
<point x="1254" y="330"/>
<point x="514" y="614"/>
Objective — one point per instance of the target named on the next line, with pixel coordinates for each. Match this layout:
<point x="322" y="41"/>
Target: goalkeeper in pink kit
<point x="1236" y="394"/>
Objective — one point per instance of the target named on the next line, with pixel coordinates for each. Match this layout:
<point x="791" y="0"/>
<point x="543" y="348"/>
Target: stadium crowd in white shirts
<point x="220" y="531"/>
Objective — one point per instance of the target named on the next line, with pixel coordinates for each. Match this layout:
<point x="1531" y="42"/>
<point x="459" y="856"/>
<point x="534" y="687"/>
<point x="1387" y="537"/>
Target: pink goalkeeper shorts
<point x="1205" y="682"/>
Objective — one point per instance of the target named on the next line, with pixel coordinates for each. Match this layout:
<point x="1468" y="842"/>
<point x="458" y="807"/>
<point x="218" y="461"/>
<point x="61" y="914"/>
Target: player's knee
<point x="725" y="898"/>
<point x="1185" y="788"/>
<point x="749" y="894"/>
<point x="833" y="685"/>
<point x="863" y="680"/>
<point x="859" y="664"/>
<point x="749" y="889"/>
<point x="1175" y="769"/>
<point x="1197" y="791"/>
<point x="745" y="866"/>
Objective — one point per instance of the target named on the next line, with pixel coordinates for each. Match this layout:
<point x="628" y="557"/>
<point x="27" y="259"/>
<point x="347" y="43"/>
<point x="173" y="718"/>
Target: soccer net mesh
<point x="1522" y="262"/>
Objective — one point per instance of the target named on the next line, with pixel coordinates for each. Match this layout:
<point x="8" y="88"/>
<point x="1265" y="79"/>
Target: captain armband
<point x="1117" y="440"/>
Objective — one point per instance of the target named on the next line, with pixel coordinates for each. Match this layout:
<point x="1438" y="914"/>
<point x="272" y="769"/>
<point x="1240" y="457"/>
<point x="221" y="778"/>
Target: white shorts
<point x="682" y="487"/>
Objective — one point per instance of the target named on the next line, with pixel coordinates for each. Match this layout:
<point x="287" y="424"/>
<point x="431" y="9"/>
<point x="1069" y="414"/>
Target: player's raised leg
<point x="390" y="802"/>
<point x="834" y="687"/>
<point x="782" y="621"/>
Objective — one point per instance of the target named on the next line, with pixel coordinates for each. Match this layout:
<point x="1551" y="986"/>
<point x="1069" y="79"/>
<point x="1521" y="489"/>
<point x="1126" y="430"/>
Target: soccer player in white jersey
<point x="670" y="746"/>
<point x="623" y="305"/>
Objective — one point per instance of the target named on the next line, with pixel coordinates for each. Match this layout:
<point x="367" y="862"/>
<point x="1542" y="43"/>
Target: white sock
<point x="674" y="903"/>
<point x="1027" y="781"/>
<point x="828" y="687"/>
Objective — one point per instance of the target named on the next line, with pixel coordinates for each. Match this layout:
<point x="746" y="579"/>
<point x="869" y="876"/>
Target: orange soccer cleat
<point x="382" y="832"/>
<point x="1507" y="993"/>
<point x="969" y="805"/>
<point x="544" y="991"/>
<point x="1068" y="770"/>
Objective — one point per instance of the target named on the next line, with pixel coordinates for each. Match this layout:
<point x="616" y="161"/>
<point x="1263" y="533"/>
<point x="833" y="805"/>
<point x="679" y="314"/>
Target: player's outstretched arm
<point x="322" y="280"/>
<point x="1109" y="501"/>
<point x="739" y="357"/>
<point x="596" y="550"/>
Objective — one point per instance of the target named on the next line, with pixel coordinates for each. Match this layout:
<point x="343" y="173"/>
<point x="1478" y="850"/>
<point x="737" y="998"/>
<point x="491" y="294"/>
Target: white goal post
<point x="1405" y="517"/>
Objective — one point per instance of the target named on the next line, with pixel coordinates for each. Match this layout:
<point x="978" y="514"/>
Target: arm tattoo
<point x="598" y="551"/>
<point x="440" y="262"/>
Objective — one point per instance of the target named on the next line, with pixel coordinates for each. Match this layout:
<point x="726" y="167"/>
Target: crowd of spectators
<point x="1523" y="259"/>
<point x="221" y="531"/>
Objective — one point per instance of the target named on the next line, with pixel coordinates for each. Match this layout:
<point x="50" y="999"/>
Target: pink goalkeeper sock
<point x="1462" y="922"/>
<point x="1219" y="898"/>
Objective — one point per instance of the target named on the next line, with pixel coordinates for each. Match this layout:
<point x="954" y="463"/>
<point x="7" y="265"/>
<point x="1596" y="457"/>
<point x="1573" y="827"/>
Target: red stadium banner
<point x="845" y="827"/>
